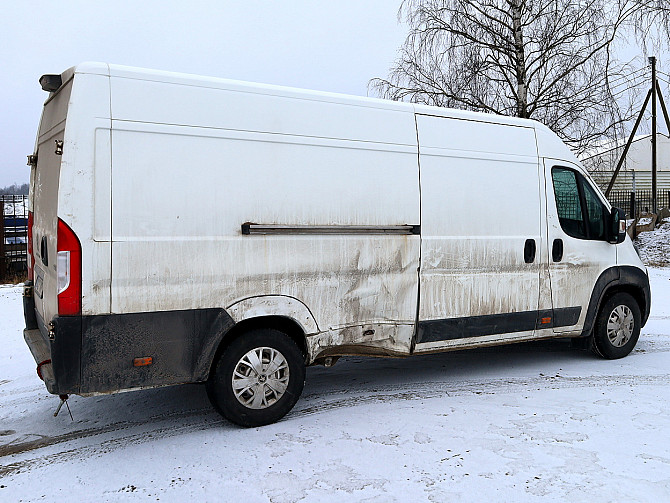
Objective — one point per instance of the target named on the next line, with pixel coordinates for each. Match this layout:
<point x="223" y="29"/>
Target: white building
<point x="636" y="167"/>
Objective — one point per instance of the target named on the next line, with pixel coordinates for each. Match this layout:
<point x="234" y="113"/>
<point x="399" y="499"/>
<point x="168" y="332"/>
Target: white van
<point x="191" y="229"/>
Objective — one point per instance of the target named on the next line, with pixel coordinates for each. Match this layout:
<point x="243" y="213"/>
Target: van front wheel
<point x="258" y="378"/>
<point x="617" y="327"/>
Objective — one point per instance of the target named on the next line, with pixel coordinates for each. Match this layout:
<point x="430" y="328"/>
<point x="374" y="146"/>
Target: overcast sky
<point x="330" y="46"/>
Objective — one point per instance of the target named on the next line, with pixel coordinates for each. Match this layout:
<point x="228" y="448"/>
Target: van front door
<point x="578" y="248"/>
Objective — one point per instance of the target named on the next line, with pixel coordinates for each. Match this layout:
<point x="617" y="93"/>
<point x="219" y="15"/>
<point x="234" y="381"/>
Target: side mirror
<point x="617" y="226"/>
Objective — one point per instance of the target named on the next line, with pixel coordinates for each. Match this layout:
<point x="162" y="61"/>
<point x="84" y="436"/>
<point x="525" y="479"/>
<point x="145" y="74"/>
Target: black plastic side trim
<point x="180" y="343"/>
<point x="566" y="316"/>
<point x="66" y="353"/>
<point x="618" y="277"/>
<point x="491" y="324"/>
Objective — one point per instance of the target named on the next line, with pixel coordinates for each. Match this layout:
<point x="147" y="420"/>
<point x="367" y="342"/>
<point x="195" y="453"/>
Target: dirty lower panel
<point x="179" y="343"/>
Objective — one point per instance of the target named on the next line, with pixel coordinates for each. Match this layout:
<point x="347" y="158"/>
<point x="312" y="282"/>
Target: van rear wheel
<point x="258" y="378"/>
<point x="617" y="328"/>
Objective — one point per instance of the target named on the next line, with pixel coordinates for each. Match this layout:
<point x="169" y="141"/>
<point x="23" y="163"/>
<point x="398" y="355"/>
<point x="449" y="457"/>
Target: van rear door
<point x="44" y="200"/>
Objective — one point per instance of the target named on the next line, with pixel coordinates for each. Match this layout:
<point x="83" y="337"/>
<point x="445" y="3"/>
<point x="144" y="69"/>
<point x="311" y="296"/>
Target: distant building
<point x="602" y="161"/>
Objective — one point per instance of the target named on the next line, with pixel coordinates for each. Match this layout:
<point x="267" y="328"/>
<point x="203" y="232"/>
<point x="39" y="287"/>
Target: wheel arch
<point x="626" y="279"/>
<point x="284" y="324"/>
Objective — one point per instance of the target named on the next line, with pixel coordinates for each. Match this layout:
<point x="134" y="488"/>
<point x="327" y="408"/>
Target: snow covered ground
<point x="527" y="422"/>
<point x="655" y="246"/>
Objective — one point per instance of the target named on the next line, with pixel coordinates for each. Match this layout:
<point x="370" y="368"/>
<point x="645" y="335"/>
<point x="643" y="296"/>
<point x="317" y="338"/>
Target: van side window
<point x="568" y="202"/>
<point x="580" y="210"/>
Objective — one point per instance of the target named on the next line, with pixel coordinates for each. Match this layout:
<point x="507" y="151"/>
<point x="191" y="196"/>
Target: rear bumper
<point x="57" y="358"/>
<point x="39" y="346"/>
<point x="41" y="351"/>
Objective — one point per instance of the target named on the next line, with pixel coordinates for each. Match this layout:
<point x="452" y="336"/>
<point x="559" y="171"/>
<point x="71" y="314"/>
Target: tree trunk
<point x="519" y="61"/>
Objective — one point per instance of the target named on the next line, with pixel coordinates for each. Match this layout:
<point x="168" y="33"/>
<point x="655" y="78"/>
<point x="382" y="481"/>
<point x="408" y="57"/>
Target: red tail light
<point x="69" y="271"/>
<point x="30" y="246"/>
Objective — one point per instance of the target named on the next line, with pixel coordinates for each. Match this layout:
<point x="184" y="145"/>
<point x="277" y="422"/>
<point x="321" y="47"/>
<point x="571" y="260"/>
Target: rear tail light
<point x="68" y="265"/>
<point x="30" y="246"/>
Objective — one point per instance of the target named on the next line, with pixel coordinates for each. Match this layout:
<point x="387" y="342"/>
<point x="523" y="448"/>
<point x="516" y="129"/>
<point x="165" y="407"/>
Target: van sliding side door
<point x="481" y="233"/>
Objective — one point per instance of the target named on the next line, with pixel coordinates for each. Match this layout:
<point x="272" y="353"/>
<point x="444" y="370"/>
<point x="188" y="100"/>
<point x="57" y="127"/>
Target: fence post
<point x="2" y="238"/>
<point x="632" y="205"/>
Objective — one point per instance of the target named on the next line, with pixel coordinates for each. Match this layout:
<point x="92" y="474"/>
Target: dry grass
<point x="13" y="278"/>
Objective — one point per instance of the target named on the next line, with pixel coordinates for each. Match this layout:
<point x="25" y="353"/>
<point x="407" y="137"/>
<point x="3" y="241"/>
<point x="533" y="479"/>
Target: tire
<point x="243" y="388"/>
<point x="617" y="327"/>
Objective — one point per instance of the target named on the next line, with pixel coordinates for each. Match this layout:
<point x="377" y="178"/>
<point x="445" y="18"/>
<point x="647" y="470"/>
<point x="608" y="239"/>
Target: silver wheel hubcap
<point x="620" y="326"/>
<point x="260" y="378"/>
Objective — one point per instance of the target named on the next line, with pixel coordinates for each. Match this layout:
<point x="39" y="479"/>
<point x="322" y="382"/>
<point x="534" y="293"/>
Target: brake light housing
<point x="68" y="265"/>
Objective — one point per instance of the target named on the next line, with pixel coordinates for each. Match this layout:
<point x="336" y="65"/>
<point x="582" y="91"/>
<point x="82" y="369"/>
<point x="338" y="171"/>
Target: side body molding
<point x="274" y="305"/>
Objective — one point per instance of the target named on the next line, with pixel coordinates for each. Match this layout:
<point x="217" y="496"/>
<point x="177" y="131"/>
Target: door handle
<point x="557" y="250"/>
<point x="44" y="251"/>
<point x="529" y="251"/>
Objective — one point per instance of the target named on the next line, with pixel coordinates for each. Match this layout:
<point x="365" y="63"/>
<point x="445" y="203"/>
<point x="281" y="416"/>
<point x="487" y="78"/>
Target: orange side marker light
<point x="142" y="362"/>
<point x="544" y="321"/>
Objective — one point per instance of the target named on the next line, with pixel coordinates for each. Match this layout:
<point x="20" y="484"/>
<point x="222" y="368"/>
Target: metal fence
<point x="638" y="202"/>
<point x="13" y="234"/>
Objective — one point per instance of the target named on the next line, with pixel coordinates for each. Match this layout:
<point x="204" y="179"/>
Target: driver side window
<point x="580" y="210"/>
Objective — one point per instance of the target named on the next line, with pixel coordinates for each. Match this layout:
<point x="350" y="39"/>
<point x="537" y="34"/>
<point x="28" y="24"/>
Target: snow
<point x="525" y="422"/>
<point x="654" y="246"/>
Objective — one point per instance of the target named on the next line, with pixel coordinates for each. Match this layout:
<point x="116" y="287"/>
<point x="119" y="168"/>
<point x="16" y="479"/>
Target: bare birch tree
<point x="549" y="60"/>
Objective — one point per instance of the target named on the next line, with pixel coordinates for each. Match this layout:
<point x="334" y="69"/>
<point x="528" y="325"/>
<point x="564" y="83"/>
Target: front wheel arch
<point x="628" y="279"/>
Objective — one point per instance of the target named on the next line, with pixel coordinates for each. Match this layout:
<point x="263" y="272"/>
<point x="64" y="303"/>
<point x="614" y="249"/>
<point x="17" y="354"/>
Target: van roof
<point x="553" y="146"/>
<point x="221" y="83"/>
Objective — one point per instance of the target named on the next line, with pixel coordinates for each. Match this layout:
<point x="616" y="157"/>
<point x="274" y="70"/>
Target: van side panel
<point x="181" y="192"/>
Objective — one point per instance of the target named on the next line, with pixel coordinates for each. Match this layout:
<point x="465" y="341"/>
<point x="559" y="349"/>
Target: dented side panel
<point x="177" y="240"/>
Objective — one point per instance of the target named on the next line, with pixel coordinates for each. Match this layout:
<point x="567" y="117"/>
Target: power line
<point x="619" y="78"/>
<point x="615" y="92"/>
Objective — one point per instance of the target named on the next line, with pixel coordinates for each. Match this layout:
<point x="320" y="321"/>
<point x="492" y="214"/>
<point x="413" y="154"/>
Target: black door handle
<point x="529" y="251"/>
<point x="44" y="251"/>
<point x="557" y="250"/>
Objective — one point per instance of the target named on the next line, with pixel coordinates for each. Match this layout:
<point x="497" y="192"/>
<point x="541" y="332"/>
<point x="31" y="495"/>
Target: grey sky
<point x="331" y="46"/>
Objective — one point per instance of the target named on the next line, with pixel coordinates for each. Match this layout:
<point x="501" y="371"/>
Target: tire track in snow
<point x="186" y="421"/>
